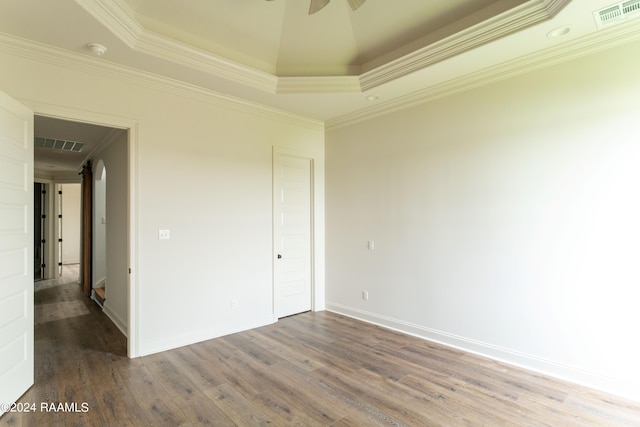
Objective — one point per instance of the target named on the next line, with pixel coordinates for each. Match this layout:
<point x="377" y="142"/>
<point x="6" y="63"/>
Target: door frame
<point x="50" y="248"/>
<point x="317" y="224"/>
<point x="131" y="126"/>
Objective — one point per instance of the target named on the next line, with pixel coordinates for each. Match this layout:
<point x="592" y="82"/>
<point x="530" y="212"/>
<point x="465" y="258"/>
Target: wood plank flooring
<point x="313" y="369"/>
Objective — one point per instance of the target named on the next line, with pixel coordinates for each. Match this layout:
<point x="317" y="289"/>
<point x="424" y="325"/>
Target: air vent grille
<point x="58" y="144"/>
<point x="631" y="6"/>
<point x="617" y="13"/>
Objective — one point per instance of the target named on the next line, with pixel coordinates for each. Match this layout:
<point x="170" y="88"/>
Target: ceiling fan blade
<point x="316" y="5"/>
<point x="355" y="3"/>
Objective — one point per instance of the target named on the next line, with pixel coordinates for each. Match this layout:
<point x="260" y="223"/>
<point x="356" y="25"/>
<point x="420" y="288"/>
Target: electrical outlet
<point x="365" y="295"/>
<point x="371" y="245"/>
<point x="164" y="234"/>
<point x="234" y="304"/>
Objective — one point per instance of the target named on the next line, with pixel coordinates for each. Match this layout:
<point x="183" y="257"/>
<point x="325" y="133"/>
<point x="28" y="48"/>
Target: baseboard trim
<point x="533" y="363"/>
<point x="120" y="324"/>
<point x="200" y="336"/>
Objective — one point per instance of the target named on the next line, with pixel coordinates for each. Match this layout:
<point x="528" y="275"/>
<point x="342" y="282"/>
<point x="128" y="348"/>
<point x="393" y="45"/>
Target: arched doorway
<point x="99" y="279"/>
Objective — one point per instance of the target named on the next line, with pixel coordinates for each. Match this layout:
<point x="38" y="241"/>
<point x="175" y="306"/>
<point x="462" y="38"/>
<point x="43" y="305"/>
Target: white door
<point x="291" y="233"/>
<point x="16" y="250"/>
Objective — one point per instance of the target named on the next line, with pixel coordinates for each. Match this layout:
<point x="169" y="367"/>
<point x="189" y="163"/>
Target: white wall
<point x="506" y="220"/>
<point x="99" y="236"/>
<point x="116" y="232"/>
<point x="70" y="223"/>
<point x="202" y="168"/>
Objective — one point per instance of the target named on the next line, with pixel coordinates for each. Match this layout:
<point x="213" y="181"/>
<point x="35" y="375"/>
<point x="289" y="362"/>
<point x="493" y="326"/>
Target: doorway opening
<point x="99" y="234"/>
<point x="56" y="230"/>
<point x="39" y="230"/>
<point x="68" y="221"/>
<point x="63" y="148"/>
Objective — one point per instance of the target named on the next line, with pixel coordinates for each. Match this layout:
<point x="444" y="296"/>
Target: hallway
<point x="73" y="338"/>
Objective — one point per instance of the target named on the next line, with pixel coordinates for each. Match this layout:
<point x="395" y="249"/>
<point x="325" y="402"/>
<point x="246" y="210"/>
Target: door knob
<point x="279" y="256"/>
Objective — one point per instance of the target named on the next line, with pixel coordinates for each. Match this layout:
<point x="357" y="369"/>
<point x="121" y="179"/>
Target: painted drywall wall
<point x="505" y="220"/>
<point x="99" y="238"/>
<point x="114" y="206"/>
<point x="202" y="169"/>
<point x="70" y="223"/>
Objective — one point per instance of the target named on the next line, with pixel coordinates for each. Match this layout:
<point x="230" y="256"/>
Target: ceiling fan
<point x="317" y="5"/>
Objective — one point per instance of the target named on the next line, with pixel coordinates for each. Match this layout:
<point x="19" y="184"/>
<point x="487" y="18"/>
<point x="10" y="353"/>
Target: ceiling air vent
<point x="617" y="13"/>
<point x="59" y="144"/>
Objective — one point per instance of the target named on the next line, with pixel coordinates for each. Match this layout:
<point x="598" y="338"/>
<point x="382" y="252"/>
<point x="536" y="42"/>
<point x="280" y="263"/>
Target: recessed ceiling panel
<point x="281" y="38"/>
<point x="245" y="31"/>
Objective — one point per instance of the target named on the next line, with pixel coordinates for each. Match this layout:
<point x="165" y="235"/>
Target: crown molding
<point x="118" y="18"/>
<point x="477" y="35"/>
<point x="113" y="135"/>
<point x="154" y="44"/>
<point x="592" y="43"/>
<point x="605" y="38"/>
<point x="99" y="67"/>
<point x="329" y="84"/>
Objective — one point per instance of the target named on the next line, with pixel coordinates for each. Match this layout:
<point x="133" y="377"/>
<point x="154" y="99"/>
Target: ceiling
<point x="334" y="66"/>
<point x="52" y="161"/>
<point x="280" y="38"/>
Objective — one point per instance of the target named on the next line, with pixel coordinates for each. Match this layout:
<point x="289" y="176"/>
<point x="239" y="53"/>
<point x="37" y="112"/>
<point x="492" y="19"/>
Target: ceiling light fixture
<point x="371" y="98"/>
<point x="97" y="49"/>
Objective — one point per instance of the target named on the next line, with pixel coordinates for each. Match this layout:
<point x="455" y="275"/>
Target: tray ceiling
<point x="279" y="37"/>
<point x="336" y="66"/>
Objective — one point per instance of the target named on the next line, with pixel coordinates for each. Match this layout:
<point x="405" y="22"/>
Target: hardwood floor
<point x="311" y="369"/>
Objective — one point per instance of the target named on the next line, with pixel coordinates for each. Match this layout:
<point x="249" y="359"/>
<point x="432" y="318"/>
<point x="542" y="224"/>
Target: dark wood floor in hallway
<point x="314" y="369"/>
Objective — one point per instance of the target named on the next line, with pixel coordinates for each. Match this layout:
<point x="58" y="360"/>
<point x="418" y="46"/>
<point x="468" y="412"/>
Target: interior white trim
<point x="463" y="40"/>
<point x="94" y="66"/>
<point x="511" y="357"/>
<point x="65" y="113"/>
<point x="330" y="84"/>
<point x="118" y="18"/>
<point x="103" y="145"/>
<point x="180" y="53"/>
<point x="317" y="222"/>
<point x="587" y="45"/>
<point x="604" y="39"/>
<point x="114" y="318"/>
<point x="198" y="335"/>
